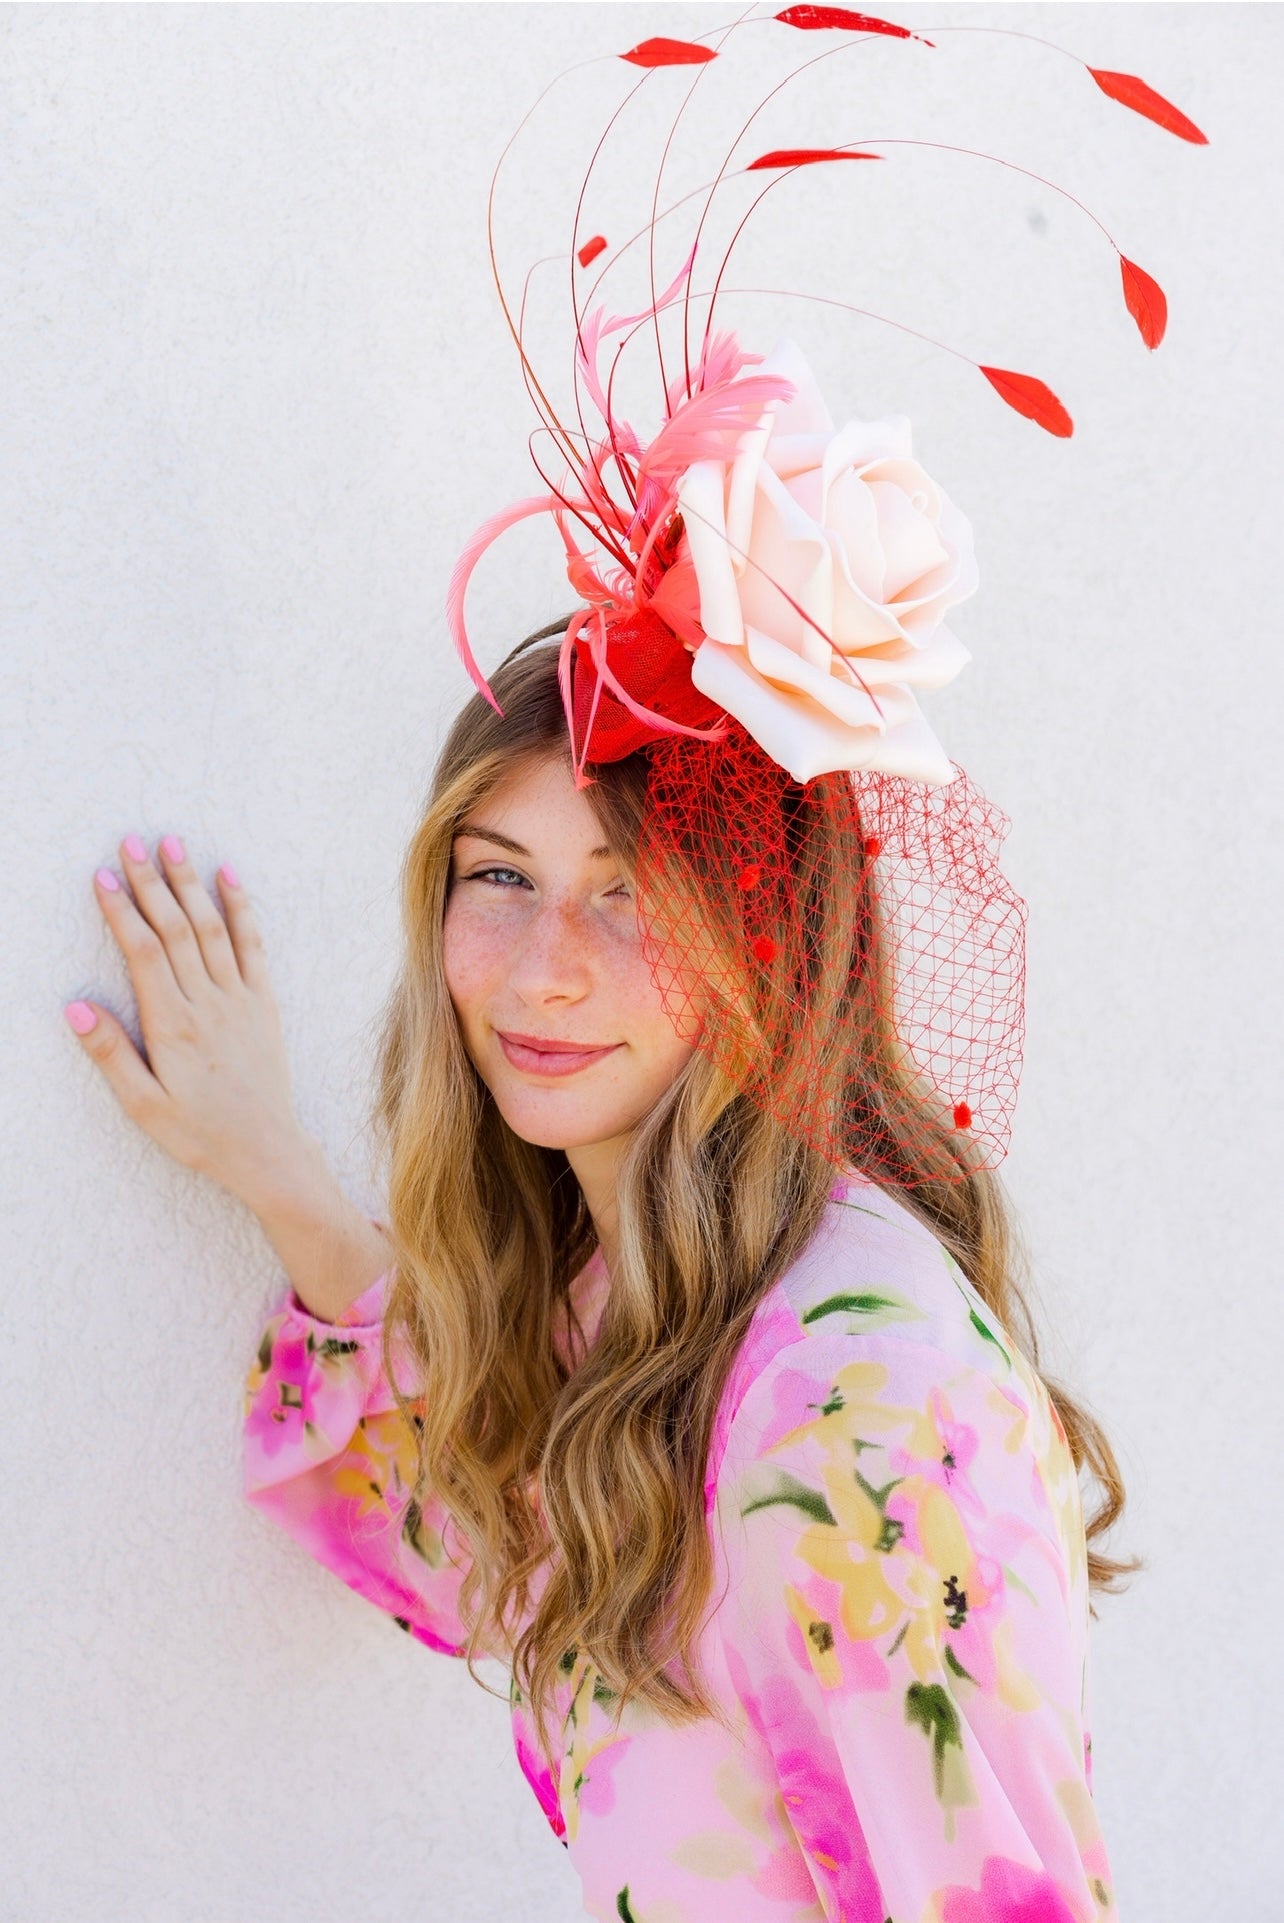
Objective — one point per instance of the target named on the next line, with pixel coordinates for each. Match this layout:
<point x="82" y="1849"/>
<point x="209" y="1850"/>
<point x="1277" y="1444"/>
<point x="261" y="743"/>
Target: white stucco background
<point x="256" y="394"/>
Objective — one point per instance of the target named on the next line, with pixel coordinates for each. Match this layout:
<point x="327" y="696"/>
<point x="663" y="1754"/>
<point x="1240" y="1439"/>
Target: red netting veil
<point x="764" y="594"/>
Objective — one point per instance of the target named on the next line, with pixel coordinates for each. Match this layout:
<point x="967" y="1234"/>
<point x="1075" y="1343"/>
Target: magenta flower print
<point x="1009" y="1893"/>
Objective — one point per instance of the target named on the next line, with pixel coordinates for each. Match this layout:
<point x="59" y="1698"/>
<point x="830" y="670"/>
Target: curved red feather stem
<point x="1151" y="309"/>
<point x="1132" y="92"/>
<point x="1030" y="396"/>
<point x="535" y="392"/>
<point x="1146" y="301"/>
<point x="655" y="201"/>
<point x="596" y="530"/>
<point x="570" y="452"/>
<point x="815" y="59"/>
<point x="577" y="311"/>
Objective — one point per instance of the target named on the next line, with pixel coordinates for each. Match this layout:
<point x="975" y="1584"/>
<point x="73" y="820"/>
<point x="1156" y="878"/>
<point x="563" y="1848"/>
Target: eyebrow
<point x="480" y="833"/>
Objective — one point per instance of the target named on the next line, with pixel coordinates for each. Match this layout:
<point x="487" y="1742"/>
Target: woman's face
<point x="542" y="951"/>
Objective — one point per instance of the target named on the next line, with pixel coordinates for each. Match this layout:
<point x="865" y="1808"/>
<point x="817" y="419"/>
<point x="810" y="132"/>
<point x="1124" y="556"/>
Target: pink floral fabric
<point x="897" y="1638"/>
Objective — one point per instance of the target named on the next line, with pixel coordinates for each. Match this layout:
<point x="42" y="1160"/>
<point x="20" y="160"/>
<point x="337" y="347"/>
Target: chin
<point x="540" y="1124"/>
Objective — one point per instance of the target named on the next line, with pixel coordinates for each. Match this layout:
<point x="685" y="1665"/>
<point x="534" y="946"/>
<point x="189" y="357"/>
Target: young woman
<point x="740" y="1460"/>
<point x="690" y="1376"/>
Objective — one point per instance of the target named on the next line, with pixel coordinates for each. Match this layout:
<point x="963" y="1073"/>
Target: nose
<point x="554" y="960"/>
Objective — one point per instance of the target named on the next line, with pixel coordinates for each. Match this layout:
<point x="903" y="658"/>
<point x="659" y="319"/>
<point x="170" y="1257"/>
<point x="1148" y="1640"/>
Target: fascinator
<point x="763" y="593"/>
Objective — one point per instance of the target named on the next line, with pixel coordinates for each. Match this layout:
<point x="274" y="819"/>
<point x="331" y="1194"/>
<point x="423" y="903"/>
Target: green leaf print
<point x="874" y="1308"/>
<point x="425" y="1542"/>
<point x="892" y="1530"/>
<point x="265" y="1349"/>
<point x="332" y="1347"/>
<point x="978" y="1325"/>
<point x="952" y="1662"/>
<point x="862" y="1210"/>
<point x="622" y="1906"/>
<point x="970" y="1296"/>
<point x="929" y="1705"/>
<point x="800" y="1495"/>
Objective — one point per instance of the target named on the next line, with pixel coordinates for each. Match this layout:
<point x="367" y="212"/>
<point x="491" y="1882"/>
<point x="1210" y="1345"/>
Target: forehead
<point x="537" y="809"/>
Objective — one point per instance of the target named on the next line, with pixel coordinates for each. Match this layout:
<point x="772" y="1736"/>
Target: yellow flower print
<point x="364" y="1475"/>
<point x="582" y="1747"/>
<point x="818" y="1638"/>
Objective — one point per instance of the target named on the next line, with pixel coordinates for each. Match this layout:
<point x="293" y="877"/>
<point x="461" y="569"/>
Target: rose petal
<point x="841" y="697"/>
<point x="931" y="664"/>
<point x="851" y="525"/>
<point x="806" y="412"/>
<point x="911" y="545"/>
<point x="741" y="485"/>
<point x="791" y="454"/>
<point x="700" y="503"/>
<point x="807" y="740"/>
<point x="790" y="552"/>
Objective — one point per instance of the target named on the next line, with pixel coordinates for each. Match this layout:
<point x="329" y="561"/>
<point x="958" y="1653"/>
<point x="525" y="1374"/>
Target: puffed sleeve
<point x="905" y="1622"/>
<point x="329" y="1457"/>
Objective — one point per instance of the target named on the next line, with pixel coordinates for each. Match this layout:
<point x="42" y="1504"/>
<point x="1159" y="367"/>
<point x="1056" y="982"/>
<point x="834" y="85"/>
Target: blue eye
<point x="487" y="875"/>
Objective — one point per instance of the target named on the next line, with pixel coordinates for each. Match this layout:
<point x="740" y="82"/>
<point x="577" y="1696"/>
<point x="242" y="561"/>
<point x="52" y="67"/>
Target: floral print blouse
<point x="899" y="1639"/>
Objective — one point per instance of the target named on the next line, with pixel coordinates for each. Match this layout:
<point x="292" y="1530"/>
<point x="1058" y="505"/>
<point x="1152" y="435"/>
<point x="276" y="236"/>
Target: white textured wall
<point x="255" y="394"/>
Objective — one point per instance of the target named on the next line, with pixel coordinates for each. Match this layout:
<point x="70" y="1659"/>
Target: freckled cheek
<point x="475" y="959"/>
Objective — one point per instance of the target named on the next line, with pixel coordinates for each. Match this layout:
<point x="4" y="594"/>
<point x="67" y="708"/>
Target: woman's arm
<point x="330" y="1249"/>
<point x="331" y="1459"/>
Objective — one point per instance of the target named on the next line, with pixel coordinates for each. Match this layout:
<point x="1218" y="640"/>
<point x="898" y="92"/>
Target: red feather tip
<point x="1129" y="91"/>
<point x="1146" y="301"/>
<point x="811" y="19"/>
<point x="805" y="157"/>
<point x="591" y="249"/>
<point x="668" y="53"/>
<point x="1031" y="397"/>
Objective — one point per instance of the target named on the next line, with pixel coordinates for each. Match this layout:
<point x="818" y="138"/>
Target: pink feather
<point x="475" y="547"/>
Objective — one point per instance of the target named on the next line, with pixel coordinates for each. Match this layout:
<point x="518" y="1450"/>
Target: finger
<point x="193" y="898"/>
<point x="158" y="992"/>
<point x="157" y="905"/>
<point x="132" y="1082"/>
<point x="243" y="927"/>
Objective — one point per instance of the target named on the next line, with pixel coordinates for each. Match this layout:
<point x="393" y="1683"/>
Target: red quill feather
<point x="1031" y="397"/>
<point x="1146" y="301"/>
<point x="668" y="53"/>
<point x="805" y="157"/>
<point x="591" y="249"/>
<point x="810" y="19"/>
<point x="1129" y="91"/>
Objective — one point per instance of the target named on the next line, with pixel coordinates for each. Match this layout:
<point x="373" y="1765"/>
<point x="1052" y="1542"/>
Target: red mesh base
<point x="858" y="959"/>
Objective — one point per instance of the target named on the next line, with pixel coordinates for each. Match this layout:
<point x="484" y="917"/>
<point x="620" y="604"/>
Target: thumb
<point x="103" y="1037"/>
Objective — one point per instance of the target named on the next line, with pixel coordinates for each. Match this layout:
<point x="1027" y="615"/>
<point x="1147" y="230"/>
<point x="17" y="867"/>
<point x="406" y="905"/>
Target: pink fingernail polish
<point x="173" y="849"/>
<point x="134" y="848"/>
<point x="107" y="880"/>
<point x="81" y="1016"/>
<point x="230" y="875"/>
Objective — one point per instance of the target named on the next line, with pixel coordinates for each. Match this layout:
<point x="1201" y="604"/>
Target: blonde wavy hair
<point x="490" y="1231"/>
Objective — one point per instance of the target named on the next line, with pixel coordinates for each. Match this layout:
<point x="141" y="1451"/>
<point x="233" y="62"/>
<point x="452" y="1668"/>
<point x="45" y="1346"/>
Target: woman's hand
<point x="214" y="1089"/>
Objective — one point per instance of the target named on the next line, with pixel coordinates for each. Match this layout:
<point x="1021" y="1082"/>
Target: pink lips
<point x="537" y="1057"/>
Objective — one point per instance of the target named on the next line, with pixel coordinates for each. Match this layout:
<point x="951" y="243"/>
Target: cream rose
<point x="849" y="524"/>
